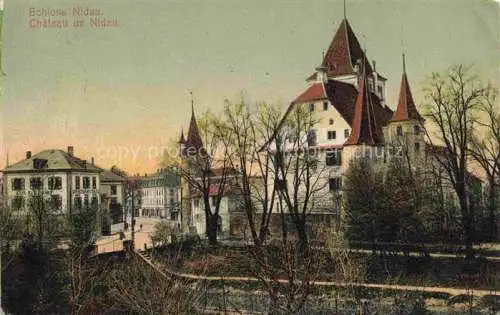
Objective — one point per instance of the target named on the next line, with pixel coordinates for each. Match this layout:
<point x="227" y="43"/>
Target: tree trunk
<point x="492" y="209"/>
<point x="212" y="221"/>
<point x="466" y="220"/>
<point x="303" y="237"/>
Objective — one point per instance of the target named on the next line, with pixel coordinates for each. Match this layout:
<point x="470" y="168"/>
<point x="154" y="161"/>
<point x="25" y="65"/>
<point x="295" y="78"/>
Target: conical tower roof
<point x="344" y="52"/>
<point x="182" y="140"/>
<point x="365" y="129"/>
<point x="406" y="109"/>
<point x="193" y="137"/>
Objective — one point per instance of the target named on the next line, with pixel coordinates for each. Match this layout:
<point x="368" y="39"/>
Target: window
<point x="399" y="131"/>
<point x="36" y="183"/>
<point x="333" y="157"/>
<point x="55" y="183"/>
<point x="311" y="138"/>
<point x="196" y="203"/>
<point x="325" y="106"/>
<point x="311" y="107"/>
<point x="18" y="202"/>
<point x="113" y="190"/>
<point x="94" y="182"/>
<point x="346" y="133"/>
<point x="17" y="183"/>
<point x="78" y="202"/>
<point x="331" y="121"/>
<point x="380" y="92"/>
<point x="334" y="184"/>
<point x="332" y="135"/>
<point x="94" y="202"/>
<point x="416" y="128"/>
<point x="86" y="182"/>
<point x="213" y="200"/>
<point x="77" y="182"/>
<point x="86" y="202"/>
<point x="417" y="147"/>
<point x="56" y="202"/>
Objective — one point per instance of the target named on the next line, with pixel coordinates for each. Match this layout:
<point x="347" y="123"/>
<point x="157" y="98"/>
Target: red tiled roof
<point x="365" y="129"/>
<point x="312" y="77"/>
<point x="343" y="97"/>
<point x="406" y="109"/>
<point x="343" y="52"/>
<point x="313" y="93"/>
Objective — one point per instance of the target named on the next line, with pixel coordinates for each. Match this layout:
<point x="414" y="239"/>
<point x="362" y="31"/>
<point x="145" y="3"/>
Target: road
<point x="143" y="229"/>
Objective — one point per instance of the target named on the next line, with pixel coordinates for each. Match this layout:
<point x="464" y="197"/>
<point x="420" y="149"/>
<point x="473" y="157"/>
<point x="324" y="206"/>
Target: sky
<point x="121" y="94"/>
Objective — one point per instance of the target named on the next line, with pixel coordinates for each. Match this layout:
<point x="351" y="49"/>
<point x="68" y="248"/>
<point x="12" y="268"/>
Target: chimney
<point x="28" y="154"/>
<point x="92" y="160"/>
<point x="71" y="150"/>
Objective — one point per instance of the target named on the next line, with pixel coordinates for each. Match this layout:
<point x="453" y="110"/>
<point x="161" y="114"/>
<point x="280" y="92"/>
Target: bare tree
<point x="452" y="100"/>
<point x="144" y="290"/>
<point x="132" y="196"/>
<point x="485" y="150"/>
<point x="206" y="170"/>
<point x="349" y="269"/>
<point x="300" y="177"/>
<point x="252" y="128"/>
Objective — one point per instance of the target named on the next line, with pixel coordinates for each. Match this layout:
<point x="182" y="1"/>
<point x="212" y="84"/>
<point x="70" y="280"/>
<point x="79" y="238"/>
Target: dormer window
<point x="39" y="163"/>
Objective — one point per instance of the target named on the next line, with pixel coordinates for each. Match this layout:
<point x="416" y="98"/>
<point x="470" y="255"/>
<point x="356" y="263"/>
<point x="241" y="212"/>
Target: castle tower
<point x="343" y="62"/>
<point x="406" y="125"/>
<point x="366" y="137"/>
<point x="190" y="147"/>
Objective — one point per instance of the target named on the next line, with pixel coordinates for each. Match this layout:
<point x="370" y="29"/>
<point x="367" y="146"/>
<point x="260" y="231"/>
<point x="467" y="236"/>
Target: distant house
<point x="230" y="199"/>
<point x="160" y="195"/>
<point x="68" y="182"/>
<point x="112" y="197"/>
<point x="222" y="184"/>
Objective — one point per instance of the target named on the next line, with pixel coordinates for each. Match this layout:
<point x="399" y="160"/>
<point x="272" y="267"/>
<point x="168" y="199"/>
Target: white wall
<point x="198" y="218"/>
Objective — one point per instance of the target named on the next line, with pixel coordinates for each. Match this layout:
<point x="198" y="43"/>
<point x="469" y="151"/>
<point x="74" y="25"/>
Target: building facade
<point x="160" y="195"/>
<point x="66" y="181"/>
<point x="112" y="192"/>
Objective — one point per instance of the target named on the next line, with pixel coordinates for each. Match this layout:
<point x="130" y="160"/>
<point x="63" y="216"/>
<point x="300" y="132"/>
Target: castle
<point x="346" y="96"/>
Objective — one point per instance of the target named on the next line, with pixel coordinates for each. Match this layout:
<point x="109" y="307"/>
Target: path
<point x="447" y="290"/>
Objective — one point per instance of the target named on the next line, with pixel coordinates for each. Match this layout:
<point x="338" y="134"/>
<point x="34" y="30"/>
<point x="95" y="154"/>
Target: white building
<point x="68" y="182"/>
<point x="160" y="195"/>
<point x="112" y="193"/>
<point x="346" y="98"/>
